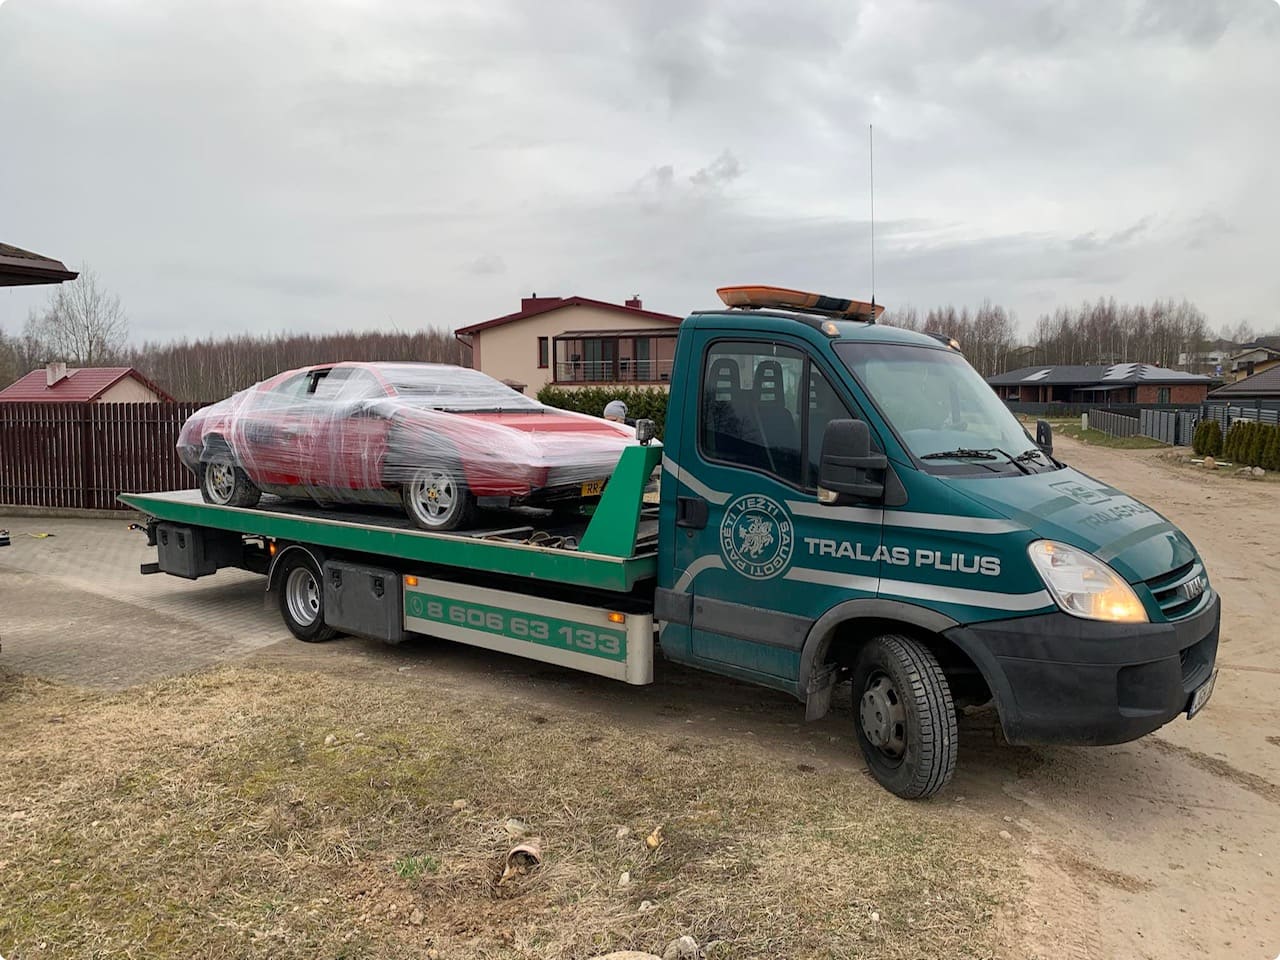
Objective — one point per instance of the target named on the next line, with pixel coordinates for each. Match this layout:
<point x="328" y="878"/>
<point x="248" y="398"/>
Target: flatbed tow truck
<point x="839" y="501"/>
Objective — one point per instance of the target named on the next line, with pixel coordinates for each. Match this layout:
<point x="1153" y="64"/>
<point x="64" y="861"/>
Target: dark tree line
<point x="212" y="369"/>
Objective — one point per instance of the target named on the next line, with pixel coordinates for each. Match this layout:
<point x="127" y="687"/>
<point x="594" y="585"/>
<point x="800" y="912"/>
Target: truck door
<point x="759" y="555"/>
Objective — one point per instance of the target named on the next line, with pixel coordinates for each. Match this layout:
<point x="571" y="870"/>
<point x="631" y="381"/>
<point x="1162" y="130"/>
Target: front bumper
<point x="1060" y="679"/>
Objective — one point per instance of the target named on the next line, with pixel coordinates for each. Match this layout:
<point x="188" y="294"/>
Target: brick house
<point x="1142" y="383"/>
<point x="574" y="342"/>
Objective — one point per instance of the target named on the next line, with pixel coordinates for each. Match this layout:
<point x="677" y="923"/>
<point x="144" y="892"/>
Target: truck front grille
<point x="1180" y="592"/>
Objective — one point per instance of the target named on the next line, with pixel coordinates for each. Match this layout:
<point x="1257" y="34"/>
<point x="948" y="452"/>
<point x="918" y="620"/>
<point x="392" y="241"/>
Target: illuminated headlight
<point x="1083" y="585"/>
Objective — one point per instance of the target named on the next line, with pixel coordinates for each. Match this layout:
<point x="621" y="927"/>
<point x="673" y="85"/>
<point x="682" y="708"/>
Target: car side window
<point x="751" y="410"/>
<point x="332" y="385"/>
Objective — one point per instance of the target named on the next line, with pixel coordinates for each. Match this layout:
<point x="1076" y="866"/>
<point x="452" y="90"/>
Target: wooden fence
<point x="83" y="454"/>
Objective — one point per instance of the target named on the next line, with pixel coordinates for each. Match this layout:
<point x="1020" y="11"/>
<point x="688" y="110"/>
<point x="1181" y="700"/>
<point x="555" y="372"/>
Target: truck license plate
<point x="593" y="488"/>
<point x="1201" y="695"/>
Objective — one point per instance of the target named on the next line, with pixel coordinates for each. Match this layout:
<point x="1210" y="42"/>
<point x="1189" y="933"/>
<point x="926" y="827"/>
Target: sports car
<point x="439" y="439"/>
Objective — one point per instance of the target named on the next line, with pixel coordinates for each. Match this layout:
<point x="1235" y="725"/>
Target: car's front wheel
<point x="904" y="716"/>
<point x="223" y="482"/>
<point x="436" y="498"/>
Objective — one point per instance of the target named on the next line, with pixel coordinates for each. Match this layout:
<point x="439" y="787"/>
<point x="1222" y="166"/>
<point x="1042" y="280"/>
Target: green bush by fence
<point x="1252" y="445"/>
<point x="648" y="403"/>
<point x="1207" y="440"/>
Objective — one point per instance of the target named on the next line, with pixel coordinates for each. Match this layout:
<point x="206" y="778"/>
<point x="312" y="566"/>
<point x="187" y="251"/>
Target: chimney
<point x="634" y="303"/>
<point x="55" y="373"/>
<point x="529" y="302"/>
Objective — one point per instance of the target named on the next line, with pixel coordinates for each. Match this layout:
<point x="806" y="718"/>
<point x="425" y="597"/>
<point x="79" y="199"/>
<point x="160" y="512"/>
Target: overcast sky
<point x="228" y="166"/>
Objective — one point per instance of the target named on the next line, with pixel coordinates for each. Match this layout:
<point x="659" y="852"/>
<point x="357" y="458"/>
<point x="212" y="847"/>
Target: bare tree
<point x="82" y="323"/>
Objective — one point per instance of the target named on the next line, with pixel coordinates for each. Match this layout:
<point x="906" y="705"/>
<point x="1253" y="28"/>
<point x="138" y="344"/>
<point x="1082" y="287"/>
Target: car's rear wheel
<point x="905" y="717"/>
<point x="436" y="498"/>
<point x="223" y="482"/>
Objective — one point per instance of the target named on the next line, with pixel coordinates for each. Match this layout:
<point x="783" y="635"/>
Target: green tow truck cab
<point x="839" y="501"/>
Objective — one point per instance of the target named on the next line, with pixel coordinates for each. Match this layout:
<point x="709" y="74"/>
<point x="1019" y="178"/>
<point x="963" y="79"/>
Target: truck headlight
<point x="1083" y="585"/>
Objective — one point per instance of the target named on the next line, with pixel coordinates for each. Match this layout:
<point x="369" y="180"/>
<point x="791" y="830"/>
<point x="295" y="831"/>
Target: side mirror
<point x="646" y="430"/>
<point x="848" y="464"/>
<point x="1044" y="437"/>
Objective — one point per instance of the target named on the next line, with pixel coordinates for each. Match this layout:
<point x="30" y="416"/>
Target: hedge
<point x="1207" y="439"/>
<point x="1252" y="445"/>
<point x="649" y="403"/>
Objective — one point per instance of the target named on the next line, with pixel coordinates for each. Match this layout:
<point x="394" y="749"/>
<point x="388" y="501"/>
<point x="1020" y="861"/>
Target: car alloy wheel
<point x="220" y="479"/>
<point x="436" y="497"/>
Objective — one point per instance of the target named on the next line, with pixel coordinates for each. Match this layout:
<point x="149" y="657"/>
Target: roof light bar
<point x="754" y="297"/>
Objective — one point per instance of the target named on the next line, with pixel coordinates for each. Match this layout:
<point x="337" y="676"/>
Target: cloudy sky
<point x="228" y="166"/>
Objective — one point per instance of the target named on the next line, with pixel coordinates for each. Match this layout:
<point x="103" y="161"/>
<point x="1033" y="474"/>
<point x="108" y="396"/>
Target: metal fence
<point x="1226" y="414"/>
<point x="1113" y="423"/>
<point x="1167" y="426"/>
<point x="1073" y="410"/>
<point x="84" y="454"/>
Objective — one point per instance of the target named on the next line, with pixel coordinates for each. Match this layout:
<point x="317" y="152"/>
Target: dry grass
<point x="205" y="816"/>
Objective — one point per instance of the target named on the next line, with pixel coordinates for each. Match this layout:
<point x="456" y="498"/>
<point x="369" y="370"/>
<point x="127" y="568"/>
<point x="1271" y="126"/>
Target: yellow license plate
<point x="593" y="488"/>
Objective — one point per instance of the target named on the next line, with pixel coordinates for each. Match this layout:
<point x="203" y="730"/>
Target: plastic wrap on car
<point x="357" y="432"/>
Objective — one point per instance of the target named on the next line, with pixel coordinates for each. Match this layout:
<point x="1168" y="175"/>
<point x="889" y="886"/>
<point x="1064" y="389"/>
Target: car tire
<point x="301" y="598"/>
<point x="436" y="498"/>
<point x="223" y="481"/>
<point x="904" y="716"/>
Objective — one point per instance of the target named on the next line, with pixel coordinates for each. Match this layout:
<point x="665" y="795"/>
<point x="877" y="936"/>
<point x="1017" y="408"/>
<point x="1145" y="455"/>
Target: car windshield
<point x="444" y="387"/>
<point x="940" y="407"/>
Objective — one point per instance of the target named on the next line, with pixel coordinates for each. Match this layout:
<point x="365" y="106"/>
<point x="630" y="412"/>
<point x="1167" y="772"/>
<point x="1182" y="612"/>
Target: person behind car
<point x="616" y="411"/>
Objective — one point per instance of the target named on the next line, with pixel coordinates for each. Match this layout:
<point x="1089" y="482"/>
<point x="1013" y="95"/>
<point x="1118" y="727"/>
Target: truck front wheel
<point x="904" y="716"/>
<point x="302" y="599"/>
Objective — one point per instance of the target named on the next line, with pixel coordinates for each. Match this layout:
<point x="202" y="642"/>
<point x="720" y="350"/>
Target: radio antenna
<point x="871" y="150"/>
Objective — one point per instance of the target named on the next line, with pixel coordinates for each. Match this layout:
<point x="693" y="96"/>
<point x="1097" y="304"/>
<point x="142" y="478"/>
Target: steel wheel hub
<point x="883" y="717"/>
<point x="302" y="593"/>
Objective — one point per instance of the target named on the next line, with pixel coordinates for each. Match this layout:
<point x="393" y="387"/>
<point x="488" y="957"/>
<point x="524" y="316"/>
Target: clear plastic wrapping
<point x="438" y="439"/>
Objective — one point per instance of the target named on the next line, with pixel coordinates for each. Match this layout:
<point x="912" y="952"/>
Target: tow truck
<point x="838" y="501"/>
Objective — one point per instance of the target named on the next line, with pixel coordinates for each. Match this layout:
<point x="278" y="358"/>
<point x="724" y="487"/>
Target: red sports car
<point x="440" y="439"/>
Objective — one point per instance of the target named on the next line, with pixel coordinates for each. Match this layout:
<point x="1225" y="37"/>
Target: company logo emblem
<point x="1194" y="587"/>
<point x="756" y="537"/>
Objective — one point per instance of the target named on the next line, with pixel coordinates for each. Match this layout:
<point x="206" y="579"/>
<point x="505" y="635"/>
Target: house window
<point x="543" y="353"/>
<point x="1162" y="395"/>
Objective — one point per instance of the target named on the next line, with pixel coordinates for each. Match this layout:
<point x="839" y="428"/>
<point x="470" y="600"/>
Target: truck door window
<point x="750" y="408"/>
<point x="824" y="406"/>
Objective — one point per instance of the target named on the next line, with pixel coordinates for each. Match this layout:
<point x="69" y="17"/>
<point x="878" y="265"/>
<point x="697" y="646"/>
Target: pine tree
<point x="1213" y="434"/>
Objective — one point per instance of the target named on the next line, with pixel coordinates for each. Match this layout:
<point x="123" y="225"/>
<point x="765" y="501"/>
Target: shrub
<point x="648" y="403"/>
<point x="1271" y="456"/>
<point x="1257" y="443"/>
<point x="1231" y="445"/>
<point x="1200" y="438"/>
<point x="1212" y="438"/>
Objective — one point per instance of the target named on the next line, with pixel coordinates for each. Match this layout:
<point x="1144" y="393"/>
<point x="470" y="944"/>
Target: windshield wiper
<point x="961" y="454"/>
<point x="1035" y="453"/>
<point x="969" y="454"/>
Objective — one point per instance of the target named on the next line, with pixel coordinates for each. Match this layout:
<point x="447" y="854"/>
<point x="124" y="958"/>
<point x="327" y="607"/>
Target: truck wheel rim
<point x="434" y="493"/>
<point x="302" y="594"/>
<point x="220" y="478"/>
<point x="883" y="717"/>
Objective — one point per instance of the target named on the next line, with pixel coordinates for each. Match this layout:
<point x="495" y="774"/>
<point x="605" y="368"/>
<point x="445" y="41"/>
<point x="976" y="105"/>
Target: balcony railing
<point x="612" y="371"/>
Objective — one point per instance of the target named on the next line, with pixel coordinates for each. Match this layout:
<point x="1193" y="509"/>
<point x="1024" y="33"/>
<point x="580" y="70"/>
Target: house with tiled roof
<point x="58" y="383"/>
<point x="1253" y="358"/>
<point x="574" y="342"/>
<point x="1112" y="383"/>
<point x="1264" y="385"/>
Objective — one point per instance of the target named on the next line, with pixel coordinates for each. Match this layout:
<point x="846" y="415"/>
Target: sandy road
<point x="1168" y="847"/>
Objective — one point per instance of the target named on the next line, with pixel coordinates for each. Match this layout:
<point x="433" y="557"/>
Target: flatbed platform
<point x="369" y="530"/>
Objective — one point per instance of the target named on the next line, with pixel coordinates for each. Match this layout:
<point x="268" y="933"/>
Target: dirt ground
<point x="1164" y="848"/>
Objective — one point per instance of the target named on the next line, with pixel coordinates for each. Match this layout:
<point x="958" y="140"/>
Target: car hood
<point x="1074" y="508"/>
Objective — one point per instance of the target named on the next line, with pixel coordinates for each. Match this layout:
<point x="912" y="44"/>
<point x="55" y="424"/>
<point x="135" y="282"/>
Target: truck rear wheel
<point x="301" y="598"/>
<point x="904" y="716"/>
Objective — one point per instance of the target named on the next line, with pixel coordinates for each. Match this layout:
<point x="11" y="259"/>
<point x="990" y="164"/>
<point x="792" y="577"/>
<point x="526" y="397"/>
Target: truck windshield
<point x="941" y="408"/>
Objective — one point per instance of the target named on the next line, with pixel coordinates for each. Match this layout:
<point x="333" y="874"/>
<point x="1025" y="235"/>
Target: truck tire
<point x="904" y="716"/>
<point x="301" y="598"/>
<point x="223" y="481"/>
